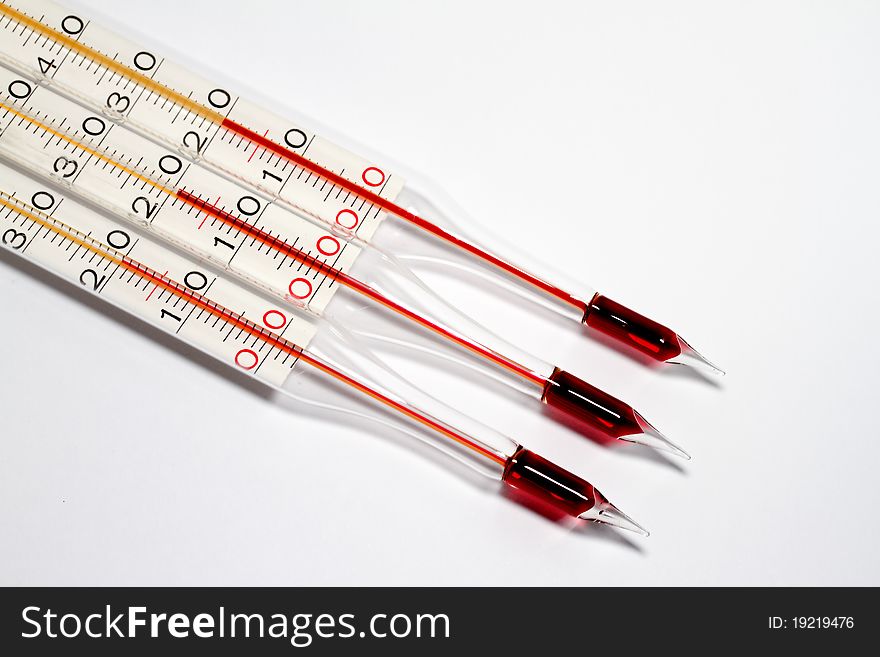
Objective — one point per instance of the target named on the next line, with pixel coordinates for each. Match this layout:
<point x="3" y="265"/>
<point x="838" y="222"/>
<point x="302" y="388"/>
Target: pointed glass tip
<point x="651" y="437"/>
<point x="693" y="358"/>
<point x="606" y="513"/>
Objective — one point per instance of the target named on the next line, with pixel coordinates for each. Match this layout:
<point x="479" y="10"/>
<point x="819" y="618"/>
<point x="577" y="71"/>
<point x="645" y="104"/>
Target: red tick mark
<point x="154" y="287"/>
<point x="257" y="147"/>
<point x="206" y="216"/>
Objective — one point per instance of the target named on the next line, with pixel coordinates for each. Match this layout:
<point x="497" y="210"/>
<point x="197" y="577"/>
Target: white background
<point x="714" y="165"/>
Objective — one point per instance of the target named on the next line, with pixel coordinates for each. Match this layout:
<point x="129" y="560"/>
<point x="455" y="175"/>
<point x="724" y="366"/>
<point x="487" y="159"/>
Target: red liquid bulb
<point x="551" y="484"/>
<point x="595" y="411"/>
<point x="590" y="406"/>
<point x="556" y="487"/>
<point x="631" y="328"/>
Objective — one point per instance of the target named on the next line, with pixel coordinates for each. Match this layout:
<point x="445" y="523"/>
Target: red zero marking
<point x="245" y="356"/>
<point x="334" y="245"/>
<point x="300" y="288"/>
<point x="342" y="213"/>
<point x="371" y="180"/>
<point x="279" y="319"/>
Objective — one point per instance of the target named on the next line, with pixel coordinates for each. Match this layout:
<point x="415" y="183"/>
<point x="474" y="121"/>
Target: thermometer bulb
<point x="597" y="410"/>
<point x="643" y="334"/>
<point x="562" y="490"/>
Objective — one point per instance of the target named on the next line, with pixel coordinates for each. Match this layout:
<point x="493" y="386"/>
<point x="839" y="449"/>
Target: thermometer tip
<point x="607" y="514"/>
<point x="693" y="358"/>
<point x="651" y="437"/>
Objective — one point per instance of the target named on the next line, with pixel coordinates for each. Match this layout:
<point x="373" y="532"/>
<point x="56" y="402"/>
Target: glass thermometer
<point x="250" y="333"/>
<point x="347" y="192"/>
<point x="266" y="244"/>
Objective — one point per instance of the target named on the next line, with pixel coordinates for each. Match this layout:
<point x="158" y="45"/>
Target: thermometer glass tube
<point x="227" y="132"/>
<point x="195" y="317"/>
<point x="160" y="191"/>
